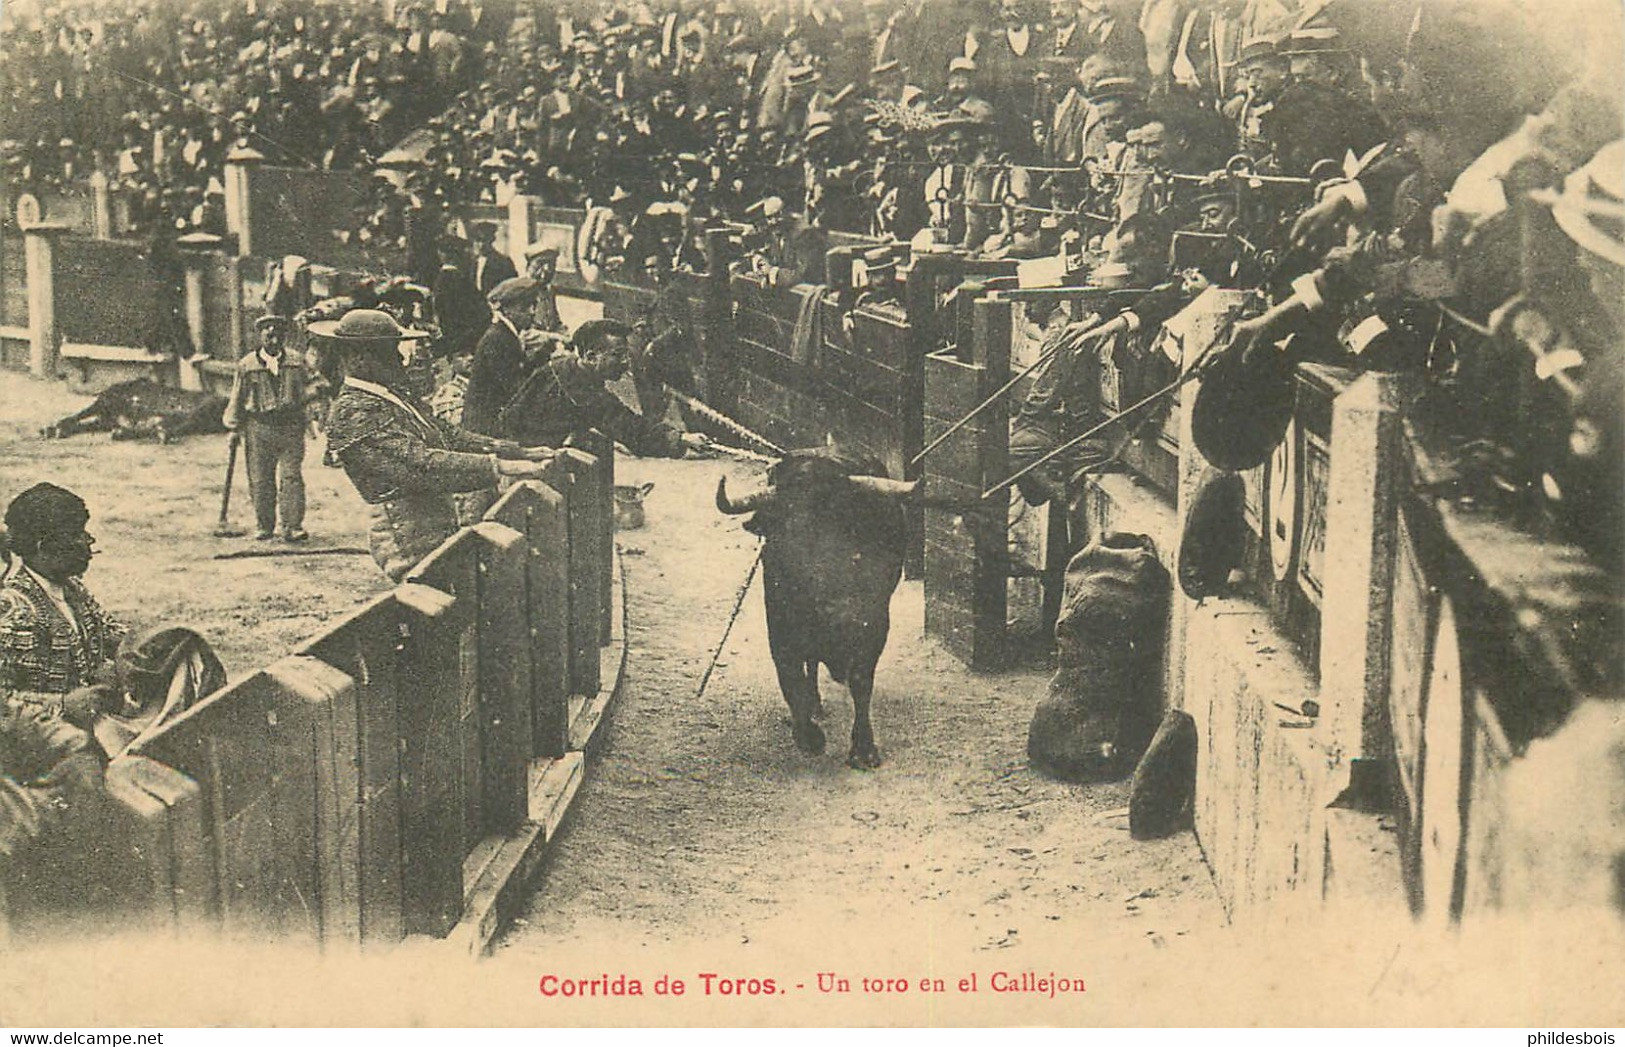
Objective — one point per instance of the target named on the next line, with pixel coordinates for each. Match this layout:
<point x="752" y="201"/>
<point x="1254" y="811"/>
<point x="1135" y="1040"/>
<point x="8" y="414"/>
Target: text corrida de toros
<point x="710" y="984"/>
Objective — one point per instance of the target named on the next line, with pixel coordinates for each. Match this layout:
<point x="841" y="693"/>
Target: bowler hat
<point x="361" y="327"/>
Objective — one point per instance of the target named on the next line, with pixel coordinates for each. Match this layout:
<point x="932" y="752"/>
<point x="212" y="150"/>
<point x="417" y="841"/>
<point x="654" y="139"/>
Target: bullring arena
<point x="1240" y="486"/>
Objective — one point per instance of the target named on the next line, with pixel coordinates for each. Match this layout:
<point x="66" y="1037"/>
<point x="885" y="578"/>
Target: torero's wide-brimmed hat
<point x="364" y="327"/>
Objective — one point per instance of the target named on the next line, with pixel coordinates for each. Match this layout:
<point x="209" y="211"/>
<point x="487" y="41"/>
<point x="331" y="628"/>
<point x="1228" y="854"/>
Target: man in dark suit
<point x="458" y="303"/>
<point x="499" y="359"/>
<point x="491" y="266"/>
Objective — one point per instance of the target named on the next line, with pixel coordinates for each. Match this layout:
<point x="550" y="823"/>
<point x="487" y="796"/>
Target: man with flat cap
<point x="404" y="462"/>
<point x="566" y="396"/>
<point x="267" y="406"/>
<point x="499" y="358"/>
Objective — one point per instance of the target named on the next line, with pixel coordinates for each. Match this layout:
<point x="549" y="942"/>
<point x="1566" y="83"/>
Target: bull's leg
<point x="89" y="418"/>
<point x="812" y="686"/>
<point x="865" y="756"/>
<point x="800" y="696"/>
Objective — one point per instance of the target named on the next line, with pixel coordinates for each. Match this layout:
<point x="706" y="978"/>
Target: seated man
<point x="56" y="673"/>
<point x="566" y="396"/>
<point x="56" y="643"/>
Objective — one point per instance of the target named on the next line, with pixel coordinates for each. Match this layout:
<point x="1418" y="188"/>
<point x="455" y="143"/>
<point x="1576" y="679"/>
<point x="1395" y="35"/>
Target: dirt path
<point x="703" y="824"/>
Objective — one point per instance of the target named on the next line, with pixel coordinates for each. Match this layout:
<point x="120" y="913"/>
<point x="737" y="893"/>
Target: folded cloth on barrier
<point x="807" y="338"/>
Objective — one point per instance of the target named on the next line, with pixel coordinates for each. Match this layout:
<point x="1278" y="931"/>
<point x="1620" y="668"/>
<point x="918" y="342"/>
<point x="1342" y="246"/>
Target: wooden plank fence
<point x="364" y="788"/>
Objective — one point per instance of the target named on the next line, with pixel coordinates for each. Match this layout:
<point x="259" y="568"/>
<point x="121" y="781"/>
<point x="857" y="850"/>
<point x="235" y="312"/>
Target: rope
<point x="711" y="413"/>
<point x="739" y="604"/>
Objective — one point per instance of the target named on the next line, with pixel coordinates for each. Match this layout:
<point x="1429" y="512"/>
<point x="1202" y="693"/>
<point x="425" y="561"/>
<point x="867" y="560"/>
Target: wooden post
<point x="431" y="779"/>
<point x="44" y="336"/>
<point x="520" y="210"/>
<point x="101" y="211"/>
<point x="603" y="529"/>
<point x="157" y="839"/>
<point x="505" y="675"/>
<point x="540" y="512"/>
<point x="326" y="698"/>
<point x="195" y="248"/>
<point x="368" y="648"/>
<point x="1357" y="604"/>
<point x="574" y="477"/>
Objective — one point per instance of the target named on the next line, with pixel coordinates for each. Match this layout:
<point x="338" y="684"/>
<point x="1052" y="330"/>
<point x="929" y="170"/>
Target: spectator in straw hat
<point x="404" y="462"/>
<point x="267" y="404"/>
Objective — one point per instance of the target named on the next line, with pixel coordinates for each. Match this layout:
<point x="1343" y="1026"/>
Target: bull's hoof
<point x="863" y="759"/>
<point x="809" y="738"/>
<point x="50" y="432"/>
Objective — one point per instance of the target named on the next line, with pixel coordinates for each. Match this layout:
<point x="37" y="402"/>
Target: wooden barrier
<point x="370" y="785"/>
<point x="1441" y="643"/>
<point x="966" y="567"/>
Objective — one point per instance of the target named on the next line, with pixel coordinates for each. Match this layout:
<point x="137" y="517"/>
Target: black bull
<point x="140" y="407"/>
<point x="835" y="538"/>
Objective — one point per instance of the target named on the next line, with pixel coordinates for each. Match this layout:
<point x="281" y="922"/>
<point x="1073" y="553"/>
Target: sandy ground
<point x="703" y="822"/>
<point x="153" y="512"/>
<point x="705" y="844"/>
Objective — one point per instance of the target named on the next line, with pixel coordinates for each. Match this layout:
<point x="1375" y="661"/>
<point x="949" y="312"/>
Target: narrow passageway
<point x="702" y="823"/>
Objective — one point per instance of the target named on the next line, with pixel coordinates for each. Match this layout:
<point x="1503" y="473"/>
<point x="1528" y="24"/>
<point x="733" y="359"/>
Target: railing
<point x="372" y="784"/>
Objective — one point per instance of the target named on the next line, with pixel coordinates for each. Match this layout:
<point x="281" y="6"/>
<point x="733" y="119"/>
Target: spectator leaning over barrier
<point x="267" y="404"/>
<point x="404" y="462"/>
<point x="566" y="396"/>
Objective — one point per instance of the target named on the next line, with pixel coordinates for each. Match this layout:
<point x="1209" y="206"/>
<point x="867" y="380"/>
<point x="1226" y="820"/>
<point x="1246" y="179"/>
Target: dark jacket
<point x="498" y="267"/>
<point x="499" y="367"/>
<point x="562" y="398"/>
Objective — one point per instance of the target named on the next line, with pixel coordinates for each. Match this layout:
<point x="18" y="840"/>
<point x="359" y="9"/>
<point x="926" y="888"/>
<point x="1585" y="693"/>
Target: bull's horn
<point x="883" y="486"/>
<point x="750" y="503"/>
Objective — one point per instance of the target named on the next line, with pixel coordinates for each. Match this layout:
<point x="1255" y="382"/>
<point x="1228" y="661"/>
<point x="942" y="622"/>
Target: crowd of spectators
<point x="155" y="94"/>
<point x="1352" y="158"/>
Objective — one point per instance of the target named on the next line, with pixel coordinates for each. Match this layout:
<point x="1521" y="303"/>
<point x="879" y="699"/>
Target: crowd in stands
<point x="156" y="93"/>
<point x="1350" y="158"/>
